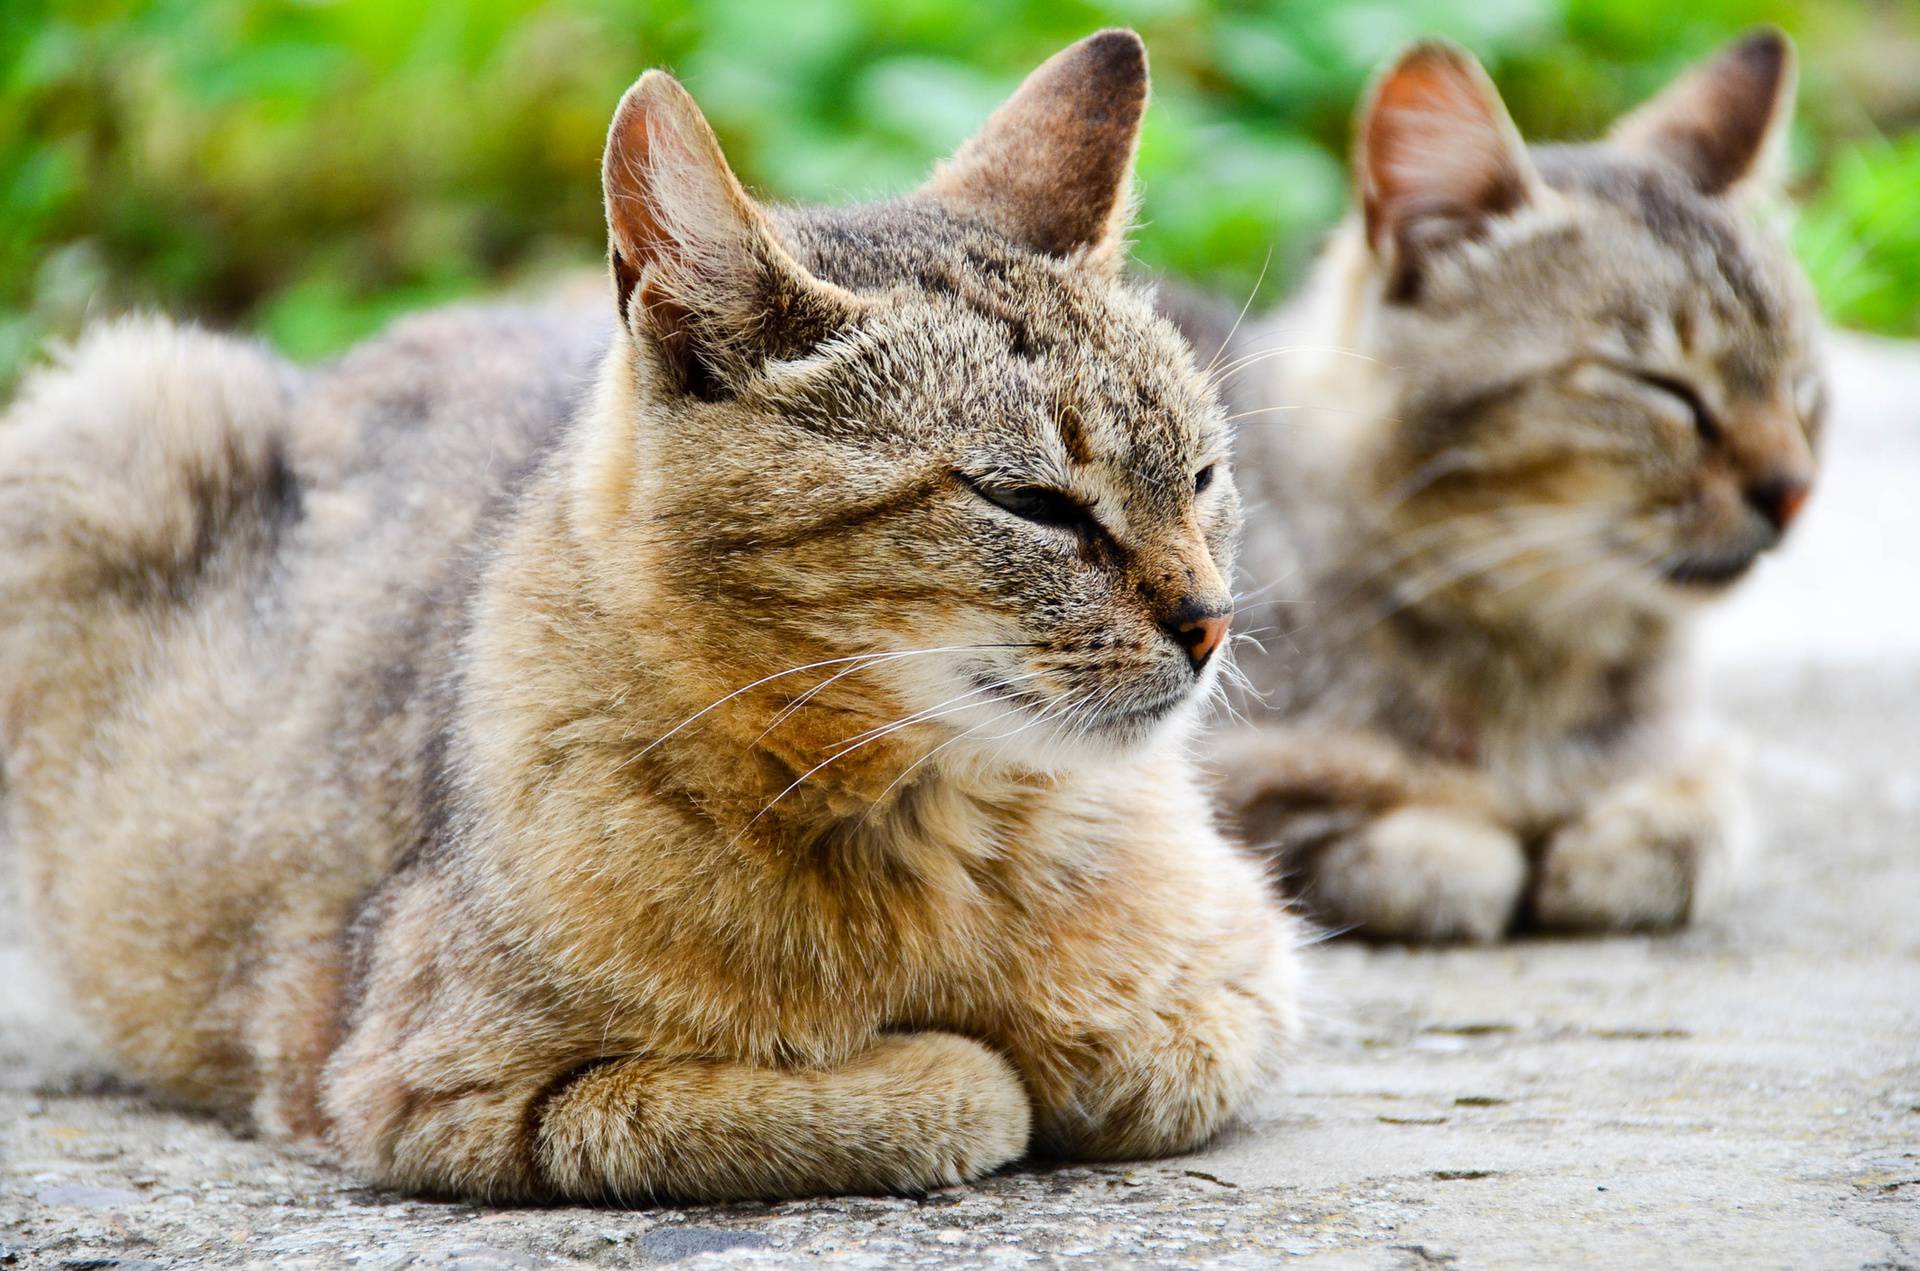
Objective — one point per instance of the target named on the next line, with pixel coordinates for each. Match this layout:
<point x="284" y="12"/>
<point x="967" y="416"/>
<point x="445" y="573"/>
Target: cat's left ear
<point x="1052" y="169"/>
<point x="1724" y="123"/>
<point x="701" y="277"/>
<point x="1437" y="158"/>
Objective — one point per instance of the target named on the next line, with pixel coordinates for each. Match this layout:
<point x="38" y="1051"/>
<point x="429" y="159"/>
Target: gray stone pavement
<point x="1745" y="1094"/>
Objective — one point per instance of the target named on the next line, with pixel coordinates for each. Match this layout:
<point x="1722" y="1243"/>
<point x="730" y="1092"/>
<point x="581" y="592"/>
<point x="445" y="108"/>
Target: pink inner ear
<point x="1437" y="147"/>
<point x="633" y="211"/>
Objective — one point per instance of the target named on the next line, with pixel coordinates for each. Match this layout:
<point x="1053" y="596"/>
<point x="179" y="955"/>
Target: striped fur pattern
<point x="1539" y="407"/>
<point x="728" y="744"/>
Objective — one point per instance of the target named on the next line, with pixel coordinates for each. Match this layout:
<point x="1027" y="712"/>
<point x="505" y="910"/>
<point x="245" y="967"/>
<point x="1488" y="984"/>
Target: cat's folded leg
<point x="1372" y="840"/>
<point x="1645" y="855"/>
<point x="913" y="1111"/>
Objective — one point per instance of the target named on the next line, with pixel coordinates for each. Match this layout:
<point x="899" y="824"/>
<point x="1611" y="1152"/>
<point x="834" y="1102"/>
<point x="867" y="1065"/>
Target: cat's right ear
<point x="1724" y="124"/>
<point x="700" y="276"/>
<point x="1436" y="157"/>
<point x="1052" y="169"/>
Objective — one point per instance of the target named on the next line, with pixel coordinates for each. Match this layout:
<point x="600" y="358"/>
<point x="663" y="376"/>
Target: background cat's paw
<point x="1422" y="873"/>
<point x="1644" y="857"/>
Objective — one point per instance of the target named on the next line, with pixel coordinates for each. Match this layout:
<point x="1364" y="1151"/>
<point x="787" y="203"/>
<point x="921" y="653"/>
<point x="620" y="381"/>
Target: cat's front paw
<point x="977" y="1117"/>
<point x="1189" y="1068"/>
<point x="1421" y="873"/>
<point x="1646" y="856"/>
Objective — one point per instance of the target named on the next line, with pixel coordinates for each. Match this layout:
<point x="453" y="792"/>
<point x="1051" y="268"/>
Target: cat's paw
<point x="975" y="1112"/>
<point x="1422" y="873"/>
<point x="1187" y="1056"/>
<point x="1646" y="856"/>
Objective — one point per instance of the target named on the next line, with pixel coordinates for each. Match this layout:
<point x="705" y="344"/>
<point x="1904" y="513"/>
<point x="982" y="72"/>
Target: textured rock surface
<point x="1745" y="1094"/>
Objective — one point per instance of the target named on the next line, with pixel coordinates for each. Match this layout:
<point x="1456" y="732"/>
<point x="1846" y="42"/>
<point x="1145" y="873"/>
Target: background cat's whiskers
<point x="1221" y="376"/>
<point x="1516" y="518"/>
<point x="1234" y="330"/>
<point x="1461" y="460"/>
<point x="1466" y="566"/>
<point x="1623" y="567"/>
<point x="1449" y="462"/>
<point x="1307" y="406"/>
<point x="1406" y="546"/>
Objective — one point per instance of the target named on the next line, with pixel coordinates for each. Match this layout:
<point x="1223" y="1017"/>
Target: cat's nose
<point x="1779" y="498"/>
<point x="1199" y="629"/>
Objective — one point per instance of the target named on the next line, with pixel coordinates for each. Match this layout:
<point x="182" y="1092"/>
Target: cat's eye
<point x="1703" y="421"/>
<point x="1204" y="478"/>
<point x="1038" y="504"/>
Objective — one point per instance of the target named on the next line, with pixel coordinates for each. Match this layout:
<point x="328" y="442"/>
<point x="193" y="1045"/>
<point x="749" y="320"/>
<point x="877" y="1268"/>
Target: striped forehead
<point x="1110" y="396"/>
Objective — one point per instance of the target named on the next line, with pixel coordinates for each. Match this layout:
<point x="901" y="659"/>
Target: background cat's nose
<point x="1199" y="629"/>
<point x="1779" y="499"/>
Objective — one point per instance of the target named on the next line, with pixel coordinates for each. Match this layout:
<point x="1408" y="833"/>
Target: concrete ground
<point x="1745" y="1094"/>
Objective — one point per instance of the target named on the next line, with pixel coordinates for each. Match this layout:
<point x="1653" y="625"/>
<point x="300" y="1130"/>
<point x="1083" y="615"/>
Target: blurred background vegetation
<point x="308" y="168"/>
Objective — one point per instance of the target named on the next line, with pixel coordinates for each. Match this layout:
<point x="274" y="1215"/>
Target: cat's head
<point x="940" y="430"/>
<point x="1599" y="362"/>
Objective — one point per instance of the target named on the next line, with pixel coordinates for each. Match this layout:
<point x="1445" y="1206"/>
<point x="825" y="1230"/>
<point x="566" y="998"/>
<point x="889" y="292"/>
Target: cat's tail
<point x="144" y="459"/>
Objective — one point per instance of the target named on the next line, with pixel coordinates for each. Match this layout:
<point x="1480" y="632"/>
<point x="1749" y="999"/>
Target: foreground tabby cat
<point x="740" y="759"/>
<point x="1553" y="400"/>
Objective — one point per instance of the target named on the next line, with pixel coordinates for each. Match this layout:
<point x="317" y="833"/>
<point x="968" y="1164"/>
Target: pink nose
<point x="1779" y="499"/>
<point x="1201" y="635"/>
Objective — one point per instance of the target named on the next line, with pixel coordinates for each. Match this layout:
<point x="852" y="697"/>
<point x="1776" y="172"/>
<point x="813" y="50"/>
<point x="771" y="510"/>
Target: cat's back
<point x="441" y="413"/>
<point x="232" y="596"/>
<point x="184" y="511"/>
<point x="408" y="453"/>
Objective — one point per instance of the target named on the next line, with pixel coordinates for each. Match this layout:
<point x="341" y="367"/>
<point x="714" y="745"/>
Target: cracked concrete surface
<point x="1744" y="1094"/>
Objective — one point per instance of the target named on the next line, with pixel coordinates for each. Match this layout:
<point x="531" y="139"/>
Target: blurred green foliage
<point x="309" y="168"/>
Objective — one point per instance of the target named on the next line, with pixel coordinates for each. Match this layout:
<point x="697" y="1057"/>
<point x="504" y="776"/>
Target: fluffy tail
<point x="137" y="464"/>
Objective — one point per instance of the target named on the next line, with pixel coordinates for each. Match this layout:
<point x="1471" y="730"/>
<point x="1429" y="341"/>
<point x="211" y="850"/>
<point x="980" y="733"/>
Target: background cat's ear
<point x="1436" y="156"/>
<point x="1723" y="123"/>
<point x="700" y="275"/>
<point x="1052" y="168"/>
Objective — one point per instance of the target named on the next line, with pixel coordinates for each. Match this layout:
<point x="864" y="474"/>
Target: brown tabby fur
<point x="412" y="754"/>
<point x="1481" y="493"/>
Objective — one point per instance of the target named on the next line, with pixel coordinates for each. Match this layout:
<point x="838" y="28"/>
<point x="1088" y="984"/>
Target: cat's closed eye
<point x="1668" y="397"/>
<point x="1682" y="392"/>
<point x="1039" y="504"/>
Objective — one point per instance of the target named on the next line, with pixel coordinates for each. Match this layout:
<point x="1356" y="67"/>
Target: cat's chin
<point x="1709" y="576"/>
<point x="1041" y="742"/>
